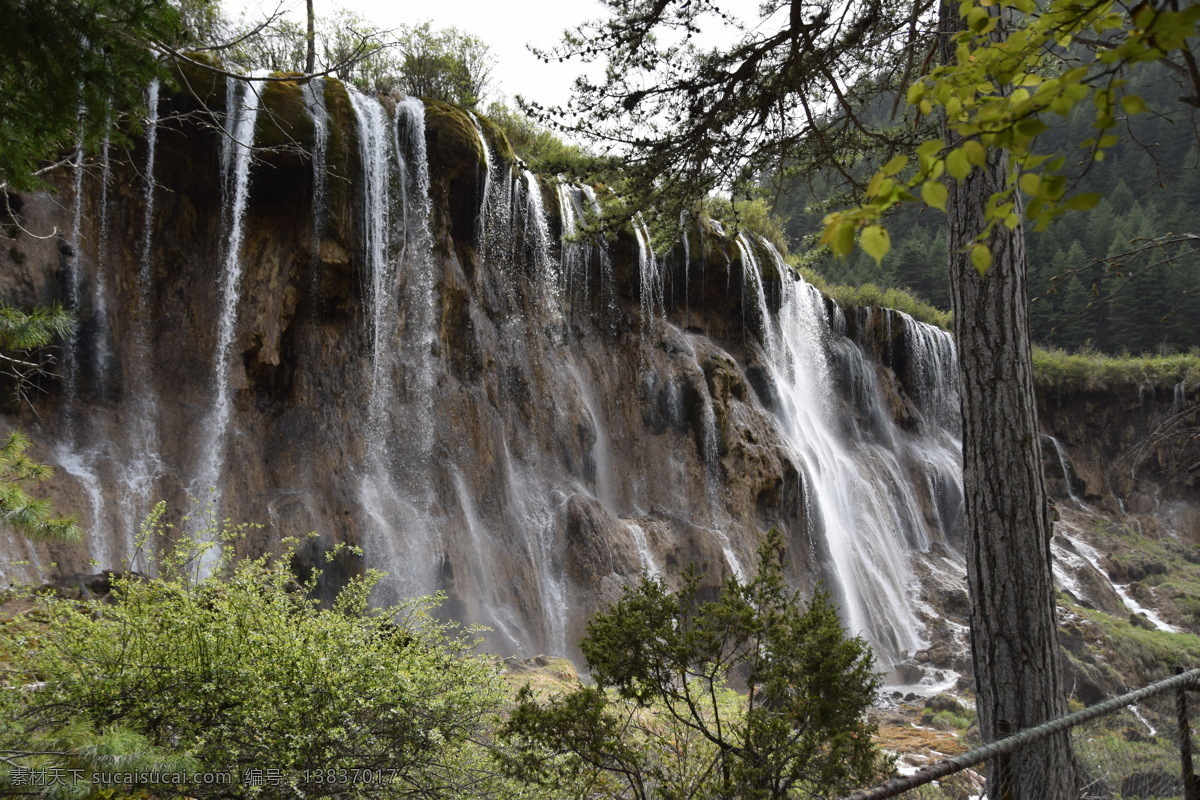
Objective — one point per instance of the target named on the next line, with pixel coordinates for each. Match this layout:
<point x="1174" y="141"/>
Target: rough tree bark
<point x="1014" y="634"/>
<point x="310" y="57"/>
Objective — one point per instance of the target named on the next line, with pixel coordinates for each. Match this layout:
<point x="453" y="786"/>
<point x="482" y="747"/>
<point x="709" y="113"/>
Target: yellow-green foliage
<point x="541" y="149"/>
<point x="753" y="216"/>
<point x="870" y="294"/>
<point x="242" y="670"/>
<point x="1093" y="371"/>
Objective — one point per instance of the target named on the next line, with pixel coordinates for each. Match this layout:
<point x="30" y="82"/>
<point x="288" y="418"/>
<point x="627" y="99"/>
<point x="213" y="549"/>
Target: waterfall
<point x="543" y="548"/>
<point x="487" y="173"/>
<point x="103" y="348"/>
<point x="547" y="268"/>
<point x="141" y="473"/>
<point x="687" y="264"/>
<point x="380" y="170"/>
<point x="598" y="254"/>
<point x="639" y="541"/>
<point x="523" y="416"/>
<point x="601" y="457"/>
<point x="649" y="285"/>
<point x="394" y="483"/>
<point x="499" y="618"/>
<point x="72" y="454"/>
<point x="1064" y="464"/>
<point x="1093" y="557"/>
<point x="419" y="291"/>
<point x="867" y="509"/>
<point x="74" y="277"/>
<point x="314" y="96"/>
<point x="935" y="367"/>
<point x="237" y="150"/>
<point x="574" y="254"/>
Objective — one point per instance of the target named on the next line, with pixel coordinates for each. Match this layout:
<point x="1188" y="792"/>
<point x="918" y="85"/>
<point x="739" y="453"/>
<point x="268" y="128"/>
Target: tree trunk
<point x="310" y="58"/>
<point x="1014" y="635"/>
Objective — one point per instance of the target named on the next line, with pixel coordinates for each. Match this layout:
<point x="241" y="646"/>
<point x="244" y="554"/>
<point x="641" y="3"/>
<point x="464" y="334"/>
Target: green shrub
<point x="243" y="671"/>
<point x="871" y="295"/>
<point x="1093" y="371"/>
<point x="753" y="216"/>
<point x="661" y="720"/>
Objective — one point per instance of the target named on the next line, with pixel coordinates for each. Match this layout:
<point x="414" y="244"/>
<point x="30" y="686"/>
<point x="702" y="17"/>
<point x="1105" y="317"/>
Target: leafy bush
<point x="662" y="720"/>
<point x="754" y="216"/>
<point x="871" y="295"/>
<point x="542" y="149"/>
<point x="1090" y="370"/>
<point x="242" y="673"/>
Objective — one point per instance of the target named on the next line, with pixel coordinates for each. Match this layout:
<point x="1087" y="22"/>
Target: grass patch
<point x="1140" y="655"/>
<point x="1092" y="371"/>
<point x="871" y="295"/>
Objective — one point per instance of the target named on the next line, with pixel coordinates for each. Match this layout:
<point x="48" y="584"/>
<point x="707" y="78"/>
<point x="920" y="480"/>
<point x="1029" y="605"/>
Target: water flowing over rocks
<point x="381" y="329"/>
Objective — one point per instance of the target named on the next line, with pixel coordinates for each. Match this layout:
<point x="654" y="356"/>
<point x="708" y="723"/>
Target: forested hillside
<point x="1091" y="287"/>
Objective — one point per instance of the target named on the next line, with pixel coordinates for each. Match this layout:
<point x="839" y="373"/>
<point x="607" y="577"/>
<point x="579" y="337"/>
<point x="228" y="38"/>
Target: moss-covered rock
<point x="454" y="146"/>
<point x="285" y="119"/>
<point x="198" y="76"/>
<point x="496" y="137"/>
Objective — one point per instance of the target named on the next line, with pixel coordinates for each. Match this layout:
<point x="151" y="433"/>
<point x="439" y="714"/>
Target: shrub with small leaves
<point x="240" y="672"/>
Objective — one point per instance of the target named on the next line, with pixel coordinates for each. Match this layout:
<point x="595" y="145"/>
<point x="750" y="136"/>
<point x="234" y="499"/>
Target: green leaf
<point x="934" y="194"/>
<point x="957" y="163"/>
<point x="976" y="153"/>
<point x="978" y="19"/>
<point x="876" y="242"/>
<point x="929" y="148"/>
<point x="1031" y="127"/>
<point x="843" y="239"/>
<point x="981" y="258"/>
<point x="895" y="165"/>
<point x="1133" y="104"/>
<point x="876" y="182"/>
<point x="1031" y="183"/>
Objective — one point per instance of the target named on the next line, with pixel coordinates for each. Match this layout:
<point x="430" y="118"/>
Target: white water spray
<point x="237" y="150"/>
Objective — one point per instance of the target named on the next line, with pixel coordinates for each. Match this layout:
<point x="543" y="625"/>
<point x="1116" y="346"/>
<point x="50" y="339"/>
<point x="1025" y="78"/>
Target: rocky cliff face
<point x="374" y="325"/>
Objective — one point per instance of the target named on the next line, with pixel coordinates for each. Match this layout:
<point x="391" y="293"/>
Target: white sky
<point x="507" y="26"/>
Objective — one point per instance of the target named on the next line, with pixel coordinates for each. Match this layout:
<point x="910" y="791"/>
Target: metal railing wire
<point x="1140" y="784"/>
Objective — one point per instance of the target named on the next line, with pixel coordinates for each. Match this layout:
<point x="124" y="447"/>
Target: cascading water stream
<point x="378" y="491"/>
<point x="74" y="278"/>
<point x="643" y="548"/>
<point x="394" y="482"/>
<point x="141" y="473"/>
<point x="935" y="367"/>
<point x="237" y="151"/>
<point x="69" y="454"/>
<point x="499" y="618"/>
<point x="420" y="333"/>
<point x="1068" y="474"/>
<point x="649" y="283"/>
<point x="487" y="171"/>
<point x="538" y="240"/>
<point x="868" y="511"/>
<point x="528" y="512"/>
<point x="103" y="346"/>
<point x="314" y="98"/>
<point x="601" y="457"/>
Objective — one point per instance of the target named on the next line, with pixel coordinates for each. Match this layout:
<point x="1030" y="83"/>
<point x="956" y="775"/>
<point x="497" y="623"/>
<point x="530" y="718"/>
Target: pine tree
<point x="21" y="334"/>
